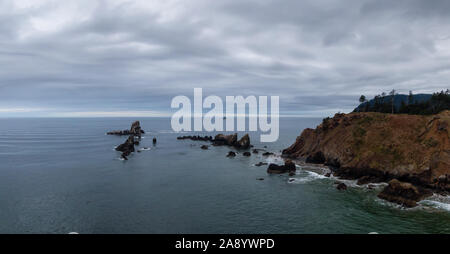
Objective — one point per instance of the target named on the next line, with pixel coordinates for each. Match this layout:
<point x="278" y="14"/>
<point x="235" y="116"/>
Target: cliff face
<point x="378" y="147"/>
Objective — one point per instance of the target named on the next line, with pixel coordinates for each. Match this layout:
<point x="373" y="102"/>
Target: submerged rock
<point x="247" y="154"/>
<point x="204" y="147"/>
<point x="231" y="154"/>
<point x="341" y="186"/>
<point x="196" y="138"/>
<point x="259" y="164"/>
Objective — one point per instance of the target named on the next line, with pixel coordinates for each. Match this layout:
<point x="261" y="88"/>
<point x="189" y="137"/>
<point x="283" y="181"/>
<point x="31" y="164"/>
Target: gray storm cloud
<point x="88" y="57"/>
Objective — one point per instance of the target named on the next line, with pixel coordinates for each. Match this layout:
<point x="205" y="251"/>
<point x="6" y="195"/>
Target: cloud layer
<point x="69" y="57"/>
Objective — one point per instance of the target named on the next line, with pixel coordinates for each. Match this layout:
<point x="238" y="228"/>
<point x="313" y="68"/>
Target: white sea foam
<point x="437" y="201"/>
<point x="304" y="176"/>
<point x="274" y="159"/>
<point x="391" y="204"/>
<point x="434" y="202"/>
<point x="145" y="149"/>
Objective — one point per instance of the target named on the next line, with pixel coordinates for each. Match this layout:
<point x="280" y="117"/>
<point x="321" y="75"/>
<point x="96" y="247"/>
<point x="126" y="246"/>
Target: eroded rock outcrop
<point x="223" y="140"/>
<point x="135" y="130"/>
<point x="196" y="138"/>
<point x="403" y="193"/>
<point x="243" y="143"/>
<point x="288" y="167"/>
<point x="127" y="147"/>
<point x="134" y="137"/>
<point x="375" y="147"/>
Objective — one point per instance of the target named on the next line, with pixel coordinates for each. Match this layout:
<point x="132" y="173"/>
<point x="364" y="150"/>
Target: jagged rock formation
<point x="223" y="140"/>
<point x="134" y="135"/>
<point x="127" y="147"/>
<point x="375" y="147"/>
<point x="134" y="130"/>
<point x="288" y="167"/>
<point x="259" y="164"/>
<point x="403" y="193"/>
<point x="243" y="143"/>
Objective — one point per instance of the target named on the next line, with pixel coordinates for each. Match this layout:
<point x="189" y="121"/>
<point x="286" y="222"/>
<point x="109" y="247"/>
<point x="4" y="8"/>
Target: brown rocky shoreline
<point x="410" y="152"/>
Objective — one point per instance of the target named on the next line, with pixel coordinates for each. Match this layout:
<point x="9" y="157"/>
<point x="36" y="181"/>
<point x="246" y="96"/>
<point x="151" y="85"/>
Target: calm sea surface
<point x="63" y="175"/>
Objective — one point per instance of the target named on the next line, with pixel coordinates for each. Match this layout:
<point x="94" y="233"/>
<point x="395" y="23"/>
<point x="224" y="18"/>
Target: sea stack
<point x="135" y="130"/>
<point x="134" y="135"/>
<point x="127" y="147"/>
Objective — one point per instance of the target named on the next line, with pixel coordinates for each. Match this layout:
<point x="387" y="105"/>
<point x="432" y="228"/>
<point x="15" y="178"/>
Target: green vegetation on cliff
<point x="420" y="104"/>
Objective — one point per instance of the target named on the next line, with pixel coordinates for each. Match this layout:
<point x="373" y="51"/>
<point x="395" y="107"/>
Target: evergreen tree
<point x="362" y="99"/>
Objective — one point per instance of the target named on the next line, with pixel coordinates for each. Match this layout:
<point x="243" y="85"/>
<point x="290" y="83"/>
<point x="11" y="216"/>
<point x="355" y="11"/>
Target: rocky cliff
<point x="375" y="147"/>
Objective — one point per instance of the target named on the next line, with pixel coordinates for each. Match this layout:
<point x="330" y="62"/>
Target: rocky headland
<point x="410" y="152"/>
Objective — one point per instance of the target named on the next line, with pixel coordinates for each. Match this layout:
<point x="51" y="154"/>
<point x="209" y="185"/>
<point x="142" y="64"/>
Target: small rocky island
<point x="134" y="137"/>
<point x="135" y="130"/>
<point x="410" y="152"/>
<point x="223" y="140"/>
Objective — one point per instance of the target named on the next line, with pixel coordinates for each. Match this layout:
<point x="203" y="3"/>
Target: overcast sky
<point x="113" y="58"/>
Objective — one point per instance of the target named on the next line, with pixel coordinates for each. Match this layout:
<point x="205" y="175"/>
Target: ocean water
<point x="63" y="175"/>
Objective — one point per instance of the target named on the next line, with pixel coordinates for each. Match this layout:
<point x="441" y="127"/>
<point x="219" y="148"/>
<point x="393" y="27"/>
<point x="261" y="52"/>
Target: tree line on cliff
<point x="419" y="104"/>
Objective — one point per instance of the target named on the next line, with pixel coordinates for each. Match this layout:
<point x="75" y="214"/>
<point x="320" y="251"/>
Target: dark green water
<point x="62" y="175"/>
